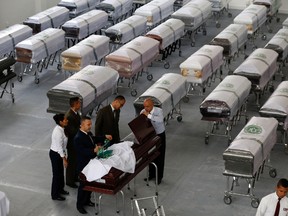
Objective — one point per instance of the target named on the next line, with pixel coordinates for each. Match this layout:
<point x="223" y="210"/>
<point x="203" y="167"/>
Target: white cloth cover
<point x="53" y="17"/>
<point x="232" y="38"/>
<point x="127" y="29"/>
<point x="260" y="65"/>
<point x="166" y="92"/>
<point x="87" y="51"/>
<point x="201" y="64"/>
<point x="155" y="11"/>
<point x="77" y="7"/>
<point x="133" y="56"/>
<point x="254" y="16"/>
<point x="93" y="84"/>
<point x="85" y="24"/>
<point x="233" y="91"/>
<point x="280" y="43"/>
<point x="11" y="36"/>
<point x="123" y="159"/>
<point x="272" y="5"/>
<point x="41" y="45"/>
<point x="168" y="32"/>
<point x="194" y="13"/>
<point x="115" y="8"/>
<point x="285" y="23"/>
<point x="4" y="204"/>
<point x="255" y="140"/>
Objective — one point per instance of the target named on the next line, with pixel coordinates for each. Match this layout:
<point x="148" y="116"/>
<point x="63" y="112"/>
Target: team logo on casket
<point x="88" y="72"/>
<point x="253" y="129"/>
<point x="165" y="82"/>
<point x="227" y="85"/>
<point x="261" y="55"/>
<point x="283" y="90"/>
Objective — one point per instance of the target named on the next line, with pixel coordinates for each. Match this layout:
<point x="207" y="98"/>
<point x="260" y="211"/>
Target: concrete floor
<point x="193" y="183"/>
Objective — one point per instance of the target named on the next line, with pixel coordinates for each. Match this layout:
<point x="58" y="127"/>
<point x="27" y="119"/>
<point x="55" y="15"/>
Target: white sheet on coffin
<point x="285" y="23"/>
<point x="169" y="31"/>
<point x="121" y="7"/>
<point x="233" y="90"/>
<point x="97" y="19"/>
<point x="18" y="32"/>
<point x="79" y="6"/>
<point x="85" y="51"/>
<point x="128" y="27"/>
<point x="123" y="159"/>
<point x="281" y="39"/>
<point x="54" y="40"/>
<point x="274" y="5"/>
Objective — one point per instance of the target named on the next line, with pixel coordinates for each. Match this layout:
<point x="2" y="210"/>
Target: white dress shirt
<point x="268" y="204"/>
<point x="157" y="119"/>
<point x="59" y="141"/>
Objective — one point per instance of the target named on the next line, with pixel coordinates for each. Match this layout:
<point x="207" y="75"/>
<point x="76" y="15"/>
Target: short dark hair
<point x="119" y="97"/>
<point x="83" y="118"/>
<point x="73" y="100"/>
<point x="58" y="118"/>
<point x="283" y="182"/>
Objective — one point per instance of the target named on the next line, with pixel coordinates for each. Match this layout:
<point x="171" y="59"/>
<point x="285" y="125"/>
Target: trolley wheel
<point x="133" y="92"/>
<point x="59" y="67"/>
<point x="270" y="30"/>
<point x="273" y="173"/>
<point x="230" y="72"/>
<point x="249" y="36"/>
<point x="264" y="37"/>
<point x="118" y="211"/>
<point x="204" y="32"/>
<point x="37" y="80"/>
<point x="278" y="20"/>
<point x="192" y="44"/>
<point x="185" y="99"/>
<point x="20" y="78"/>
<point x="218" y="25"/>
<point x="166" y="66"/>
<point x="206" y="140"/>
<point x="227" y="200"/>
<point x="179" y="118"/>
<point x="149" y="77"/>
<point x="229" y="15"/>
<point x="180" y="53"/>
<point x="255" y="203"/>
<point x="13" y="99"/>
<point x="271" y="89"/>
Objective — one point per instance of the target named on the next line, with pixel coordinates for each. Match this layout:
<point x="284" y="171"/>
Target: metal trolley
<point x="151" y="204"/>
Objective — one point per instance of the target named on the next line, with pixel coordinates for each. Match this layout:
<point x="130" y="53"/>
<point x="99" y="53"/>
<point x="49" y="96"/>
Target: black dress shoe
<point x="90" y="204"/>
<point x="81" y="210"/>
<point x="64" y="192"/>
<point x="59" y="198"/>
<point x="72" y="185"/>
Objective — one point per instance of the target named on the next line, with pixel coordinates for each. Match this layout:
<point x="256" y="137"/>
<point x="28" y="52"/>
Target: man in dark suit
<point x="86" y="149"/>
<point x="71" y="129"/>
<point x="108" y="118"/>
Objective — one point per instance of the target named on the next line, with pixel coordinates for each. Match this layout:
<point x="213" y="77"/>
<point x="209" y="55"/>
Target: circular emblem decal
<point x="253" y="129"/>
<point x="283" y="90"/>
<point x="165" y="82"/>
<point x="227" y="85"/>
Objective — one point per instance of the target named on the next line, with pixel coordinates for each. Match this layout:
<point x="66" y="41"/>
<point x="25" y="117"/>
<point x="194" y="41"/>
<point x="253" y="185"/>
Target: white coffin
<point x="11" y="36"/>
<point x="115" y="8"/>
<point x="93" y="84"/>
<point x="53" y="17"/>
<point x="227" y="98"/>
<point x="251" y="147"/>
<point x="167" y="32"/>
<point x="133" y="56"/>
<point x="272" y="5"/>
<point x="127" y="29"/>
<point x="231" y="39"/>
<point x="194" y="13"/>
<point x="165" y="93"/>
<point x="155" y="11"/>
<point x="77" y="7"/>
<point x="40" y="46"/>
<point x="219" y="5"/>
<point x="87" y="51"/>
<point x="285" y="23"/>
<point x="254" y="16"/>
<point x="85" y="24"/>
<point x="259" y="67"/>
<point x="279" y="43"/>
<point x="180" y="3"/>
<point x="201" y="64"/>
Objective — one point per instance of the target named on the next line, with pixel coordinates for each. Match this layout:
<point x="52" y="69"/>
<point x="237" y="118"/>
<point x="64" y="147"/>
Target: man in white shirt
<point x="275" y="204"/>
<point x="155" y="114"/>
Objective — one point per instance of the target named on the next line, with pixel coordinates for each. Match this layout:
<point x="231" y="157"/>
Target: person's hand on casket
<point x="109" y="137"/>
<point x="97" y="148"/>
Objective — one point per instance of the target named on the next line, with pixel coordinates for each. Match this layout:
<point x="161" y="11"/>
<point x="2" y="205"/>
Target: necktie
<point x="277" y="208"/>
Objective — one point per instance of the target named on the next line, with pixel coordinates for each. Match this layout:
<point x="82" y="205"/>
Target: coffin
<point x="11" y="36"/>
<point x="85" y="24"/>
<point x="227" y="98"/>
<point x="133" y="56"/>
<point x="53" y="17"/>
<point x="168" y="32"/>
<point x="254" y="16"/>
<point x="6" y="73"/>
<point x="166" y="93"/>
<point x="232" y="38"/>
<point x="145" y="152"/>
<point x="155" y="11"/>
<point x="259" y="67"/>
<point x="40" y="46"/>
<point x="285" y="23"/>
<point x="180" y="3"/>
<point x="77" y="7"/>
<point x="93" y="84"/>
<point x="219" y="5"/>
<point x="194" y="13"/>
<point x="251" y="147"/>
<point x="141" y="1"/>
<point x="201" y="64"/>
<point x="87" y="51"/>
<point x="272" y="5"/>
<point x="279" y="43"/>
<point x="115" y="8"/>
<point x="127" y="29"/>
